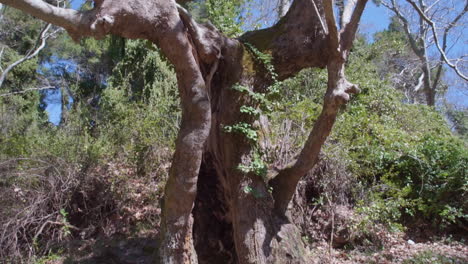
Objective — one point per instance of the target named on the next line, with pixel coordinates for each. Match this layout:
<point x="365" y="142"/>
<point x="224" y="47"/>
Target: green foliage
<point x="459" y="120"/>
<point x="405" y="160"/>
<point x="264" y="103"/>
<point x="51" y="258"/>
<point x="225" y="15"/>
<point x="131" y="120"/>
<point x="405" y="153"/>
<point x="243" y="129"/>
<point x="18" y="30"/>
<point x="256" y="166"/>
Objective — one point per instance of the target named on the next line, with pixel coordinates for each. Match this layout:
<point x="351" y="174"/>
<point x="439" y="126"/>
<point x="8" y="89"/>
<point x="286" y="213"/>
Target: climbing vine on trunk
<point x="218" y="189"/>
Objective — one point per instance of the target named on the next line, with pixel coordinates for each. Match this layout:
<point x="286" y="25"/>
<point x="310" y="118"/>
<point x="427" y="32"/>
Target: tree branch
<point x="297" y="41"/>
<point x="351" y="25"/>
<point x="338" y="93"/>
<point x="347" y="12"/>
<point x="66" y="18"/>
<point x="444" y="42"/>
<point x="436" y="38"/>
<point x="40" y="44"/>
<point x="1" y="56"/>
<point x="28" y="90"/>
<point x="406" y="26"/>
<point x="333" y="35"/>
<point x="317" y="13"/>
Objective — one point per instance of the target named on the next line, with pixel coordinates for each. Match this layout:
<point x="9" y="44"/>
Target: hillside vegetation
<point x="393" y="172"/>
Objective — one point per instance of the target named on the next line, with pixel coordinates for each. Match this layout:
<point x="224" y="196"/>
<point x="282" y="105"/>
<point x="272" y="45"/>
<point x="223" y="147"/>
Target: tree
<point x="222" y="82"/>
<point x="431" y="32"/>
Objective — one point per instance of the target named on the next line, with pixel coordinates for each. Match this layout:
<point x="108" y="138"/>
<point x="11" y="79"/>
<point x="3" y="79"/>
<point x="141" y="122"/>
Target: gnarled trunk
<point x="214" y="212"/>
<point x="244" y="227"/>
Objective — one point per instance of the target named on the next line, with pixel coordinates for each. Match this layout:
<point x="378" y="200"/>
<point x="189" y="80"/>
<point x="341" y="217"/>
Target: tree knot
<point x="102" y="25"/>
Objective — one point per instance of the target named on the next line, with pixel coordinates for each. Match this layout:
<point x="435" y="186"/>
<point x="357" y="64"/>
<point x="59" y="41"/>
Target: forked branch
<point x="338" y="93"/>
<point x="351" y="26"/>
<point x="440" y="48"/>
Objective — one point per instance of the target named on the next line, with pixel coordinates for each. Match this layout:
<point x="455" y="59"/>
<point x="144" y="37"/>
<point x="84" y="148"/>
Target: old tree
<point x="237" y="215"/>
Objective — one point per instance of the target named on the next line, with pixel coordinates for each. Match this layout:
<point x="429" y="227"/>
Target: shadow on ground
<point x="115" y="250"/>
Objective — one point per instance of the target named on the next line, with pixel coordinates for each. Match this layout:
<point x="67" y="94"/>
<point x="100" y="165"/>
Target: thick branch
<point x="347" y="12"/>
<point x="331" y="25"/>
<point x="338" y="93"/>
<point x="351" y="25"/>
<point x="297" y="41"/>
<point x="67" y="18"/>
<point x="207" y="39"/>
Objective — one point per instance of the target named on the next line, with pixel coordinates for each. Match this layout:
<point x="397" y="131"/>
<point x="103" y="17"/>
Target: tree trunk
<point x="213" y="211"/>
<point x="234" y="218"/>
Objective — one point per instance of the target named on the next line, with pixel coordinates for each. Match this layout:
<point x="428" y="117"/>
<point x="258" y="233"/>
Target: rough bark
<point x="338" y="93"/>
<point x="234" y="218"/>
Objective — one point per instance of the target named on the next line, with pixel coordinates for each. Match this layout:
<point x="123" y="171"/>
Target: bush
<point x="101" y="171"/>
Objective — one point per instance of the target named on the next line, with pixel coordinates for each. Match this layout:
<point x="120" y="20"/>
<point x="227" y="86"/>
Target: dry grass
<point x="34" y="195"/>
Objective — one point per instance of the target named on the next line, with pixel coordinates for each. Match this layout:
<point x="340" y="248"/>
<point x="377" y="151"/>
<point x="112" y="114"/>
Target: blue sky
<point x="374" y="19"/>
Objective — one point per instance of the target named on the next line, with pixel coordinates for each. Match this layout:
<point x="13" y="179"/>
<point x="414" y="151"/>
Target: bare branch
<point x="331" y="24"/>
<point x="347" y="12"/>
<point x="350" y="28"/>
<point x="1" y="56"/>
<point x="444" y="43"/>
<point x="40" y="44"/>
<point x="436" y="38"/>
<point x="67" y="18"/>
<point x="432" y="5"/>
<point x="420" y="83"/>
<point x="394" y="7"/>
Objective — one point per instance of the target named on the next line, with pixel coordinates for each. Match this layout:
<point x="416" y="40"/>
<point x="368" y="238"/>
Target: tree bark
<point x="232" y="216"/>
